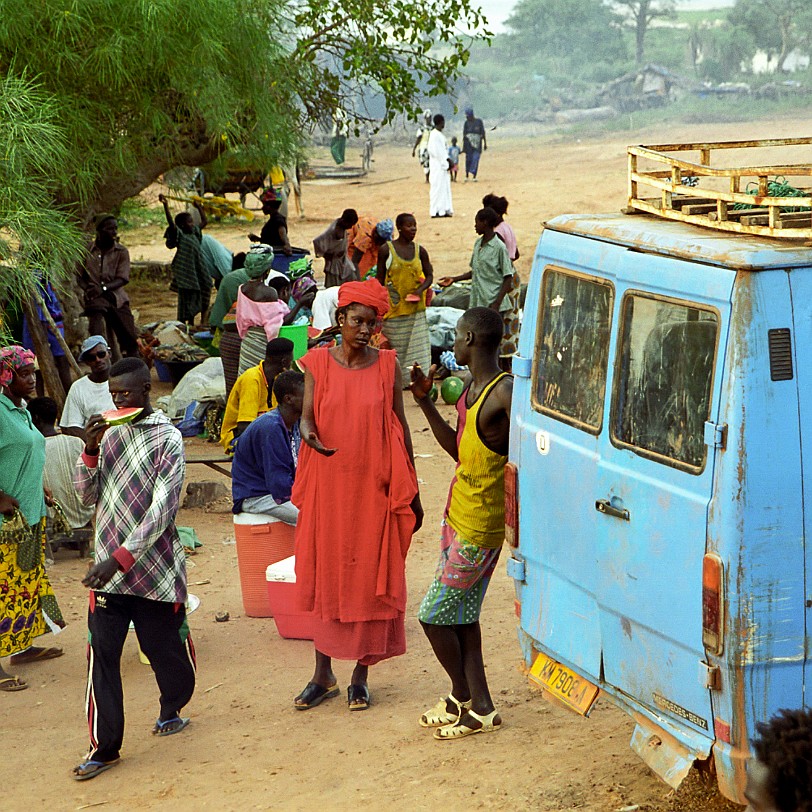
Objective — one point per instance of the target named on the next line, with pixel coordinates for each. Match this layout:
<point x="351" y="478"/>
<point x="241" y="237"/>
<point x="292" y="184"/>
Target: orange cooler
<point x="290" y="622"/>
<point x="261" y="540"/>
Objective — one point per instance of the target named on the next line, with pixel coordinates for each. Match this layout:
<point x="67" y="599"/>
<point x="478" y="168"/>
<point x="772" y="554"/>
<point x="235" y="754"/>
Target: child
<point x="453" y="158"/>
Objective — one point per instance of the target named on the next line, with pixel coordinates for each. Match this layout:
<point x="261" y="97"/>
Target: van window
<point x="572" y="348"/>
<point x="664" y="380"/>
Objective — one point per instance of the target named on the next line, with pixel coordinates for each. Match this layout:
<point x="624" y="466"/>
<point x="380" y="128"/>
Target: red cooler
<point x="261" y="540"/>
<point x="281" y="586"/>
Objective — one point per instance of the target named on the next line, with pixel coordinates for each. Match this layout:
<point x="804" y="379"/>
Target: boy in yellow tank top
<point x="473" y="526"/>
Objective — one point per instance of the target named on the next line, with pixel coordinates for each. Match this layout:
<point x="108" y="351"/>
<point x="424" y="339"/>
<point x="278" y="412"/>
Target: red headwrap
<point x="370" y="293"/>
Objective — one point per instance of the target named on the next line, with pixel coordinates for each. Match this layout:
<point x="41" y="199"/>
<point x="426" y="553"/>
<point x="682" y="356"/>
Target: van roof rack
<point x="751" y="199"/>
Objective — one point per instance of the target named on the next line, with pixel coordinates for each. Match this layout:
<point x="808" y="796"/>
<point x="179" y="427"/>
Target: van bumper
<point x="668" y="748"/>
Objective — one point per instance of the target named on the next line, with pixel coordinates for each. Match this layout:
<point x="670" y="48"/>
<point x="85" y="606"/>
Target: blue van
<point x="657" y="482"/>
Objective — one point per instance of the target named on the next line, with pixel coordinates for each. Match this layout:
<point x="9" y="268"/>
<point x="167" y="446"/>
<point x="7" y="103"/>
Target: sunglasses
<point x="92" y="356"/>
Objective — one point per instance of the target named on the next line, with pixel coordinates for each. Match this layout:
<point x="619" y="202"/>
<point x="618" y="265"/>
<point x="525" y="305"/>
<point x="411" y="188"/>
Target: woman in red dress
<point x="357" y="492"/>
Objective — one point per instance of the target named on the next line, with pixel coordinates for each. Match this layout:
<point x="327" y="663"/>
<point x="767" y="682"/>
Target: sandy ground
<point x="247" y="748"/>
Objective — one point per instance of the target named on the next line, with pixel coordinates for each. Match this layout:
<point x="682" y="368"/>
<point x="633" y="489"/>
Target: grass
<point x="696" y="110"/>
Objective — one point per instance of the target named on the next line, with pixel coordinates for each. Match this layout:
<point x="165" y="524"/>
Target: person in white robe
<point x="439" y="178"/>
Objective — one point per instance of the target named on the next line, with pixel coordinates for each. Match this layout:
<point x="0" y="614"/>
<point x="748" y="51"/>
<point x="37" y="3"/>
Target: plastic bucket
<point x="297" y="333"/>
<point x="281" y="262"/>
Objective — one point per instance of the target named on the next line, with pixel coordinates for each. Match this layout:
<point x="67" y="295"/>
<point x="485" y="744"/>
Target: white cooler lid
<point x="284" y="570"/>
<point x="254" y="518"/>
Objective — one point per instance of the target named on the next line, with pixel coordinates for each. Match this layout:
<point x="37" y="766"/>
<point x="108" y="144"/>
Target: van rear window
<point x="572" y="348"/>
<point x="664" y="379"/>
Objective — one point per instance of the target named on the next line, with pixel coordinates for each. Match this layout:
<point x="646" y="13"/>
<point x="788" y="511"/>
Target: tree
<point x="145" y="85"/>
<point x="34" y="235"/>
<point x="557" y="34"/>
<point x="107" y="95"/>
<point x="641" y="14"/>
<point x="777" y="26"/>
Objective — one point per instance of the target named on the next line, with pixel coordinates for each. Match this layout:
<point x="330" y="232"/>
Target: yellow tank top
<point x="402" y="277"/>
<point x="476" y="503"/>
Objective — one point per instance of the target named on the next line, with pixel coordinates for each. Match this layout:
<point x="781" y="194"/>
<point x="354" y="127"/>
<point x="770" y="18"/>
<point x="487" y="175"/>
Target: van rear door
<point x="656" y="462"/>
<point x="560" y="419"/>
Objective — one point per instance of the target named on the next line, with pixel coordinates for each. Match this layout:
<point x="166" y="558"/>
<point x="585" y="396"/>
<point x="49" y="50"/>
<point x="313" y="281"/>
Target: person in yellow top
<point x="249" y="397"/>
<point x="473" y="527"/>
<point x="405" y="270"/>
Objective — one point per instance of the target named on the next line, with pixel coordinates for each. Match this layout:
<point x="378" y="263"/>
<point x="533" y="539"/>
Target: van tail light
<point x="512" y="504"/>
<point x="713" y="603"/>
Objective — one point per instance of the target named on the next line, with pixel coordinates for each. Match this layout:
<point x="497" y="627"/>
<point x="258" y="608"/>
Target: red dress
<point x="356" y="524"/>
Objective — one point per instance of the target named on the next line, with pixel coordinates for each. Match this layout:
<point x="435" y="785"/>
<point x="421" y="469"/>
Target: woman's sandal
<point x="170" y="726"/>
<point x="358" y="697"/>
<point x="90" y="769"/>
<point x="313" y="695"/>
<point x="458" y="730"/>
<point x="440" y="716"/>
<point x="11" y="684"/>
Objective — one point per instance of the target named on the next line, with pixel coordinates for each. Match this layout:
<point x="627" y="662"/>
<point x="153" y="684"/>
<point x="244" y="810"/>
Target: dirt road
<point x="247" y="748"/>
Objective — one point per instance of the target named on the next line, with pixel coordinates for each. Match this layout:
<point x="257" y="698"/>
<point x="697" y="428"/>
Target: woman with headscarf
<point x="262" y="307"/>
<point x="357" y="492"/>
<point x="364" y="241"/>
<point x="28" y="607"/>
<point x="503" y="229"/>
<point x="405" y="269"/>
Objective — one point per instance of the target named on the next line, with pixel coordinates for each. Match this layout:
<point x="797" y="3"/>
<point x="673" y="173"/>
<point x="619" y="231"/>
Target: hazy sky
<point x="497" y="11"/>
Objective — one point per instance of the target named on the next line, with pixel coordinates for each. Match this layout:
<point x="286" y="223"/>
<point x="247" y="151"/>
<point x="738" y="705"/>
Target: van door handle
<point x="606" y="507"/>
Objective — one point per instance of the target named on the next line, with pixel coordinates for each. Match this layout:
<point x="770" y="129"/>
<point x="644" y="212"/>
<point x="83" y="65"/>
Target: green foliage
<point x="34" y="235"/>
<point x="553" y="36"/>
<point x="777" y="26"/>
<point x="145" y="85"/>
<point x="142" y="86"/>
<point x="640" y="14"/>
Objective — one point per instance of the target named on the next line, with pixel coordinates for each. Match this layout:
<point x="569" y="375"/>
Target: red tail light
<point x="713" y="603"/>
<point x="512" y="504"/>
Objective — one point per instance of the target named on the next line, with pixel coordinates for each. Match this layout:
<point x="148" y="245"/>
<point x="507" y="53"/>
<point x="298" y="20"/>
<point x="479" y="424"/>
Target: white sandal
<point x="458" y="730"/>
<point x="439" y="716"/>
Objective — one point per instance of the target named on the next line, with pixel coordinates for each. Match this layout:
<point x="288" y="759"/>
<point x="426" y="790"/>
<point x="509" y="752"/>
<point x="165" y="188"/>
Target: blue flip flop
<point x="170" y="726"/>
<point x="90" y="769"/>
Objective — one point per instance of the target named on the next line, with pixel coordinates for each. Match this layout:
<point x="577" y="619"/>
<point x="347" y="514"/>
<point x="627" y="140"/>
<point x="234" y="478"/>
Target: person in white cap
<point x="89" y="395"/>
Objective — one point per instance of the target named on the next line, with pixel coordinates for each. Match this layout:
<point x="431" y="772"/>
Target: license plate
<point x="563" y="684"/>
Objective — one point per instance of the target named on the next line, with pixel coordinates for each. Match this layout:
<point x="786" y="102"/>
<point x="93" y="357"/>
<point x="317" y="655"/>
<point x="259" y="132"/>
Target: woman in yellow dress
<point x="28" y="607"/>
<point x="404" y="269"/>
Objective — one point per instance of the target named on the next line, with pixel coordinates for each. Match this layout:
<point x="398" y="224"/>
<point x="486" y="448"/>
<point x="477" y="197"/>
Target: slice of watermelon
<point x="117" y="417"/>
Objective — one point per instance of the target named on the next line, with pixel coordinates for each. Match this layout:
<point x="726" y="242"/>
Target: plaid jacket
<point x="135" y="481"/>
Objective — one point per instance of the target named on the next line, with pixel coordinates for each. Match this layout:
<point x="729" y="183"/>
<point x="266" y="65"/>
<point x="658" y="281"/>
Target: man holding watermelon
<point x="132" y="468"/>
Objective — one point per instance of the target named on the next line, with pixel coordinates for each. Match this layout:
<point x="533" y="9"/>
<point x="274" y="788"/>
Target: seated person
<point x="266" y="456"/>
<point x="61" y="453"/>
<point x="253" y="390"/>
<point x="90" y="394"/>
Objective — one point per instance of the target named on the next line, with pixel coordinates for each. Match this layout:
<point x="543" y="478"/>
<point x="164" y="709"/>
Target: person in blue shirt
<point x="453" y="159"/>
<point x="265" y="458"/>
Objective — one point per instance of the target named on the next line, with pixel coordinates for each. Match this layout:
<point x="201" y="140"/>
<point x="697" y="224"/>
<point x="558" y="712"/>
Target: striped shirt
<point x="135" y="481"/>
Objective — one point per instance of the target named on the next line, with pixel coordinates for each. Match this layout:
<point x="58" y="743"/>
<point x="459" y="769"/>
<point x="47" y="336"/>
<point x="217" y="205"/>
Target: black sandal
<point x="313" y="695"/>
<point x="358" y="697"/>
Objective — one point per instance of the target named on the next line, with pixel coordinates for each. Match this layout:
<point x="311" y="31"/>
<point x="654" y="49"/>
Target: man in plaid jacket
<point x="133" y="473"/>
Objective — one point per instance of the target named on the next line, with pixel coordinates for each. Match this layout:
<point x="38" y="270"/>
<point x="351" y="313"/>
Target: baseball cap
<point x="89" y="343"/>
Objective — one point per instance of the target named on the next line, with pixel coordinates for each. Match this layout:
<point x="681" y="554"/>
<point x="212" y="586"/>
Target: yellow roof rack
<point x="746" y="199"/>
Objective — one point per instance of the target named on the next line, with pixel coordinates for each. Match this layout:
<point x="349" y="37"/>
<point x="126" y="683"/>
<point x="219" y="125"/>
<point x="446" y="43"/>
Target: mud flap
<point x="671" y="758"/>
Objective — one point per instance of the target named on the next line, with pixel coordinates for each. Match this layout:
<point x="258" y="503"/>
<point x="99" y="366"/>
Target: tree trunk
<point x="109" y="197"/>
<point x="641" y="23"/>
<point x="786" y="44"/>
<point x="47" y="365"/>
